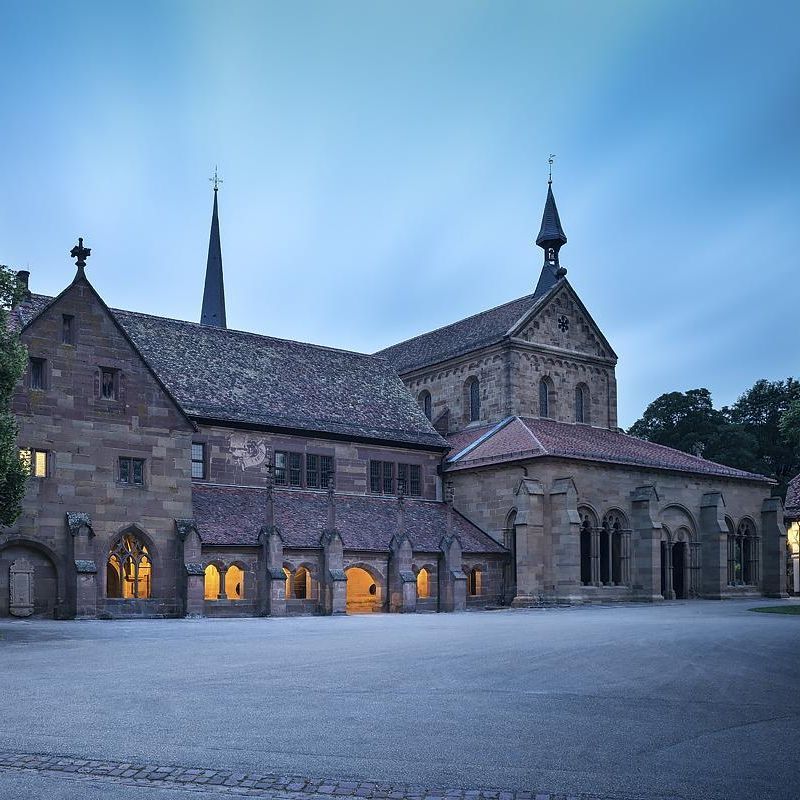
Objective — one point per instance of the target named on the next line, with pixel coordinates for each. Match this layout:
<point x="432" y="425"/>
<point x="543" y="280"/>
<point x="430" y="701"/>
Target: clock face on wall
<point x="563" y="324"/>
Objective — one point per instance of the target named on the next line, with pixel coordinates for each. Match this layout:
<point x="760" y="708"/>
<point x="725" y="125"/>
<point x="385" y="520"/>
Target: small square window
<point x="131" y="471"/>
<point x="108" y="384"/>
<point x="38" y="373"/>
<point x="198" y="460"/>
<point x="67" y="329"/>
<point x="35" y="461"/>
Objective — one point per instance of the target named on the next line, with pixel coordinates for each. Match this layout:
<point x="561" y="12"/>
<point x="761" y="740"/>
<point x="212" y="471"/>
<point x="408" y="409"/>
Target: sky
<point x="385" y="167"/>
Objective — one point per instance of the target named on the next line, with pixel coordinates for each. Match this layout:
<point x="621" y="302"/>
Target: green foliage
<point x="759" y="433"/>
<point x="13" y="360"/>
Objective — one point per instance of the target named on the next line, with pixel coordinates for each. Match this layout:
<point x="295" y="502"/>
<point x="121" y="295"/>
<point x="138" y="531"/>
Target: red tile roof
<point x="529" y="437"/>
<point x="231" y="515"/>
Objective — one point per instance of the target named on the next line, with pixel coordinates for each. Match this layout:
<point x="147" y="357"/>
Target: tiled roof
<point x="230" y="515"/>
<point x="458" y="338"/>
<point x="529" y="437"/>
<point x="232" y="376"/>
<point x="792" y="504"/>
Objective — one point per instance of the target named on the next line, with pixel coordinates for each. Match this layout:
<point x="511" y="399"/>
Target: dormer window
<point x="67" y="329"/>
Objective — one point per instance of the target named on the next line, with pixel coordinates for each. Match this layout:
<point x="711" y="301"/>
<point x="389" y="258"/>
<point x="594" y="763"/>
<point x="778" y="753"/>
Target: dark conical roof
<point x="551" y="230"/>
<point x="213" y="312"/>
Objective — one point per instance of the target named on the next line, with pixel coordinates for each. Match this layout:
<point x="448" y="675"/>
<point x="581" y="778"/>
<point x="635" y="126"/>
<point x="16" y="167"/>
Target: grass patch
<point x="779" y="610"/>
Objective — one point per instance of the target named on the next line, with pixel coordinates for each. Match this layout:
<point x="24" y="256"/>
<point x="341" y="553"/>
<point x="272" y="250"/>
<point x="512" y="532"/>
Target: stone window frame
<point x="616" y="527"/>
<point x="582" y="404"/>
<point x="294" y="470"/>
<point x="475" y="581"/>
<point x="202" y="461"/>
<point x="311" y="581"/>
<point x="426" y="403"/>
<point x="547" y="397"/>
<point x="387" y="477"/>
<point x="68" y="329"/>
<point x="223" y="571"/>
<point x="131" y="546"/>
<point x="132" y="463"/>
<point x="745" y="542"/>
<point x="114" y="374"/>
<point x="319" y="467"/>
<point x="472" y="399"/>
<point x="29" y="458"/>
<point x="38" y="375"/>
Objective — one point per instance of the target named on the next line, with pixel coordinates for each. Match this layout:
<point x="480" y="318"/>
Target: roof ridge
<point x="533" y="435"/>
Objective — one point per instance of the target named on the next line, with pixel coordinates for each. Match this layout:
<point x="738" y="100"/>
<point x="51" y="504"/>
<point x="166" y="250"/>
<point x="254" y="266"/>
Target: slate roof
<point x="792" y="504"/>
<point x="529" y="437"/>
<point x="551" y="230"/>
<point x="231" y="515"/>
<point x="459" y="337"/>
<point x="231" y="376"/>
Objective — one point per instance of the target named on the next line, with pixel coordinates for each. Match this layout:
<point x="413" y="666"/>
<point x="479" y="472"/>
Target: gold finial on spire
<point x="216" y="180"/>
<point x="550" y="162"/>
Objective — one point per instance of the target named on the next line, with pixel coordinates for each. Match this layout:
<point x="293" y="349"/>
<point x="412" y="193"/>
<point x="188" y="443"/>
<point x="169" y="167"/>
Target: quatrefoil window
<point x="563" y="324"/>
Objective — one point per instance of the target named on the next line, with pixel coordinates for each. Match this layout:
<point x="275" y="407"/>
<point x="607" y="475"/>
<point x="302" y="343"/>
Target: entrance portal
<point x="363" y="592"/>
<point x="28" y="582"/>
<point x="679" y="569"/>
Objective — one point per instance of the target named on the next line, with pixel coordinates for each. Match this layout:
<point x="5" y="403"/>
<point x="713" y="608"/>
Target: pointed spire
<point x="551" y="238"/>
<point x="213" y="312"/>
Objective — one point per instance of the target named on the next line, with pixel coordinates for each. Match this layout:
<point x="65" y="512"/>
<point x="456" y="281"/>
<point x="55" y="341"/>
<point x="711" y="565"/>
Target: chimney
<point x="22" y="280"/>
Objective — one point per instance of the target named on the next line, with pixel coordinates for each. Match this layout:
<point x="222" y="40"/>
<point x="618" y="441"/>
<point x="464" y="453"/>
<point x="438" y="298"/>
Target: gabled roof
<point x="480" y="330"/>
<point x="518" y="438"/>
<point x="231" y="515"/>
<point x="233" y="377"/>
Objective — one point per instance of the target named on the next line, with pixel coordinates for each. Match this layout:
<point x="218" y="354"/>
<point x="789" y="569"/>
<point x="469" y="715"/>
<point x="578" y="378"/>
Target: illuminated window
<point x="301" y="584"/>
<point x="131" y="471"/>
<point x="67" y="329"/>
<point x="211" y="583"/>
<point x="35" y="461"/>
<point x="423" y="584"/>
<point x="38" y="373"/>
<point x="474" y="582"/>
<point x="198" y="460"/>
<point x="234" y="582"/>
<point x="129" y="570"/>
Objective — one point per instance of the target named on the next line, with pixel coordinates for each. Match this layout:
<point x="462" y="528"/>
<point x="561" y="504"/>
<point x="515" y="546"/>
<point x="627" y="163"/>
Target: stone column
<point x="194" y="587"/>
<point x="566" y="535"/>
<point x="402" y="583"/>
<point x="773" y="548"/>
<point x="646" y="539"/>
<point x="669" y="591"/>
<point x="595" y="556"/>
<point x="714" y="544"/>
<point x="333" y="581"/>
<point x="452" y="580"/>
<point x="625" y="572"/>
<point x="695" y="566"/>
<point x="80" y="526"/>
<point x="530" y="541"/>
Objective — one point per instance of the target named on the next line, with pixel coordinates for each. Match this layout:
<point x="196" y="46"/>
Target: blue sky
<point x="385" y="167"/>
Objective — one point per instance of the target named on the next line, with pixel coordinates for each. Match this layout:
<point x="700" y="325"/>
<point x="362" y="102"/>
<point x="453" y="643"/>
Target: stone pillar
<point x="595" y="556"/>
<point x="530" y="541"/>
<point x="272" y="589"/>
<point x="333" y="582"/>
<point x="194" y="589"/>
<point x="80" y="526"/>
<point x="402" y="583"/>
<point x="714" y="544"/>
<point x="695" y="567"/>
<point x="566" y="535"/>
<point x="669" y="591"/>
<point x="646" y="540"/>
<point x="452" y="580"/>
<point x="773" y="548"/>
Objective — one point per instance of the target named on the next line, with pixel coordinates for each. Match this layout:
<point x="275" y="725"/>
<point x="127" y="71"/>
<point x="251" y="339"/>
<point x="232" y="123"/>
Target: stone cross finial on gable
<point x="81" y="253"/>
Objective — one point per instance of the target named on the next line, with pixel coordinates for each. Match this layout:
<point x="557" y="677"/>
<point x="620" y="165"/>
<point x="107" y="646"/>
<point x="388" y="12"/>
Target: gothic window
<point x="234" y="582"/>
<point x="581" y="403"/>
<point x="611" y="548"/>
<point x="198" y="460"/>
<point x="743" y="556"/>
<point x="587" y="521"/>
<point x="38" y="373"/>
<point x="545" y="398"/>
<point x="563" y="323"/>
<point x="472" y="398"/>
<point x="423" y="584"/>
<point x="67" y="329"/>
<point x="474" y="582"/>
<point x="131" y="471"/>
<point x="424" y="400"/>
<point x="211" y="582"/>
<point x="129" y="570"/>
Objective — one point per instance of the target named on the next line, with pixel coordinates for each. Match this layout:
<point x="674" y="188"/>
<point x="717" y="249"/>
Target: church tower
<point x="551" y="237"/>
<point x="213" y="312"/>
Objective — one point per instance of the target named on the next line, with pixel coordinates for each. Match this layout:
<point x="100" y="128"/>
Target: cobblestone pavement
<point x="246" y="784"/>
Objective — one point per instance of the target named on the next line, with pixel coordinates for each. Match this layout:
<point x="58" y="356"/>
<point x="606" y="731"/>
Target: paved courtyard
<point x="689" y="700"/>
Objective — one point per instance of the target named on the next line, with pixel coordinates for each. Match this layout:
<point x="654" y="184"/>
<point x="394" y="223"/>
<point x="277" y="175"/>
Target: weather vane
<point x="216" y="180"/>
<point x="550" y="162"/>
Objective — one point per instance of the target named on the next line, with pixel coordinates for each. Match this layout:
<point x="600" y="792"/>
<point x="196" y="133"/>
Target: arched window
<point x="587" y="530"/>
<point x="743" y="556"/>
<point x="581" y="403"/>
<point x="472" y="397"/>
<point x="234" y="582"/>
<point x="302" y="584"/>
<point x="211" y="583"/>
<point x="423" y="584"/>
<point x="129" y="571"/>
<point x="425" y="404"/>
<point x="474" y="582"/>
<point x="612" y="549"/>
<point x="545" y="409"/>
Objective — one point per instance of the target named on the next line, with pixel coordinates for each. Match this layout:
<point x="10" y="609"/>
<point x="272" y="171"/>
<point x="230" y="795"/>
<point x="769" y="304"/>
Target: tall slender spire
<point x="551" y="237"/>
<point x="213" y="312"/>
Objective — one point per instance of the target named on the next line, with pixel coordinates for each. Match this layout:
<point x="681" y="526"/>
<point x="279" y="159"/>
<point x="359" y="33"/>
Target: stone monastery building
<point x="183" y="469"/>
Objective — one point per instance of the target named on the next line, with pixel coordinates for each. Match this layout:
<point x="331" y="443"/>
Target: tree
<point x="13" y="360"/>
<point x="759" y="411"/>
<point x="790" y="424"/>
<point x="689" y="422"/>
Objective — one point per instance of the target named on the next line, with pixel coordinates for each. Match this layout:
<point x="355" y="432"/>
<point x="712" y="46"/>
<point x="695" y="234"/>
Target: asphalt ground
<point x="686" y="699"/>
